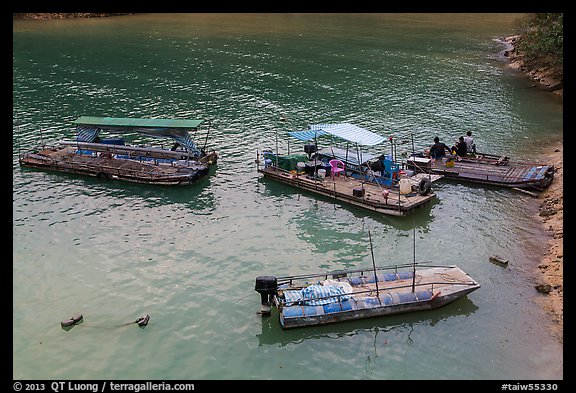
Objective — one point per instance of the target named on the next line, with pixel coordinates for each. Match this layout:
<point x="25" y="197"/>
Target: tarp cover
<point x="287" y="162"/>
<point x="316" y="295"/>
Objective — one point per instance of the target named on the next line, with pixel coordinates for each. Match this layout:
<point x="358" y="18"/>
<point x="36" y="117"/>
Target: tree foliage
<point x="542" y="37"/>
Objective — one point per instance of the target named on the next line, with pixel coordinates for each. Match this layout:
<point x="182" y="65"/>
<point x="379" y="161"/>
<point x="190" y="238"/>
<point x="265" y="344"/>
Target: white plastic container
<point x="405" y="186"/>
<point x="301" y="167"/>
<point x="322" y="173"/>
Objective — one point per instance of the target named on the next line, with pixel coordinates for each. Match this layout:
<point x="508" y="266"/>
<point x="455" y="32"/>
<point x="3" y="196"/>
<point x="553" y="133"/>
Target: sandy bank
<point x="550" y="271"/>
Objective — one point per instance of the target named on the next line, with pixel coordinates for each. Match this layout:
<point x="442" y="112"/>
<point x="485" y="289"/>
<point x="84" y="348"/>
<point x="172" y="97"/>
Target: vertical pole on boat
<point x="315" y="156"/>
<point x="277" y="166"/>
<point x="412" y="137"/>
<point x="374" y="265"/>
<point x="414" y="254"/>
<point x="347" y="144"/>
<point x="207" y="134"/>
<point x="334" y="184"/>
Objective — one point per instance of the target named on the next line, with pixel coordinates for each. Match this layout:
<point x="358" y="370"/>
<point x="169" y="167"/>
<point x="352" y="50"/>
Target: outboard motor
<point x="266" y="286"/>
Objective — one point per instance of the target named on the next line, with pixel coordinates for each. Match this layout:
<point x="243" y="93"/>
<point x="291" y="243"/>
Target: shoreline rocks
<point x="550" y="270"/>
<point x="550" y="78"/>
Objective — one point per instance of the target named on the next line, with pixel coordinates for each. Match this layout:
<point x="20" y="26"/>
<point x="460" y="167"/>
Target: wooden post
<point x="374" y="266"/>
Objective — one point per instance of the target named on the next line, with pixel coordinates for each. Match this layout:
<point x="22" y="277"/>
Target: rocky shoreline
<point x="550" y="78"/>
<point x="550" y="270"/>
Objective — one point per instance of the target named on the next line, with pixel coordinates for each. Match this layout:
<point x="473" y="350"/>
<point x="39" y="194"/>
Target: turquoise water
<point x="188" y="256"/>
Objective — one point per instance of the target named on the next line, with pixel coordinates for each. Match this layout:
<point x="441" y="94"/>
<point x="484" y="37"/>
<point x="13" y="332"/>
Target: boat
<point x="90" y="154"/>
<point x="337" y="296"/>
<point x="486" y="168"/>
<point x="386" y="190"/>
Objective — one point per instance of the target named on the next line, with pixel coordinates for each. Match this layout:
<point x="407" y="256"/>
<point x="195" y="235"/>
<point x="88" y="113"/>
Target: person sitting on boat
<point x="438" y="149"/>
<point x="470" y="145"/>
<point x="461" y="147"/>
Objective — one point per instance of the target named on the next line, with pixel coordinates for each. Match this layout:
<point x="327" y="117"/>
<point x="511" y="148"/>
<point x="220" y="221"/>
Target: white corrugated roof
<point x="350" y="132"/>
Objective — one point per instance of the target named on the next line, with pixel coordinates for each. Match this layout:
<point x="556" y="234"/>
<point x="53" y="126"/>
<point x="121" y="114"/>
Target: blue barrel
<point x="407" y="297"/>
<point x="424" y="294"/>
<point x="405" y="275"/>
<point x="337" y="307"/>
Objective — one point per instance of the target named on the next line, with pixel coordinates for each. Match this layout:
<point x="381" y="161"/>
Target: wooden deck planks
<point x="342" y="189"/>
<point x="430" y="279"/>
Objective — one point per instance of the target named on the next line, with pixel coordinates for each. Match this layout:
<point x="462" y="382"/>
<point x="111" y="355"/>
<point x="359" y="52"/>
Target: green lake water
<point x="188" y="256"/>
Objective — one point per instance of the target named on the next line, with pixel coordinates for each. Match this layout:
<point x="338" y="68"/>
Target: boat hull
<point x="363" y="313"/>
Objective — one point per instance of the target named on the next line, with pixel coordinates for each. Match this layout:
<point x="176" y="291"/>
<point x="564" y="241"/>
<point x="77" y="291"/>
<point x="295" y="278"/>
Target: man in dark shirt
<point x="461" y="147"/>
<point x="437" y="150"/>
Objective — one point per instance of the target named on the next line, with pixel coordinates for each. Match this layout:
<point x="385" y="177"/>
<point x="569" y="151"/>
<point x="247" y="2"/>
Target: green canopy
<point x="122" y="122"/>
<point x="89" y="127"/>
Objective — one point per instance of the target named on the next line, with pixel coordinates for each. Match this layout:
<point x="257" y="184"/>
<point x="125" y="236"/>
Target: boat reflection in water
<point x="272" y="334"/>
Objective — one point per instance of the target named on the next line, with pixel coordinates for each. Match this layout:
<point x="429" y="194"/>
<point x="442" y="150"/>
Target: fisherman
<point x="461" y="147"/>
<point x="438" y="149"/>
<point x="470" y="145"/>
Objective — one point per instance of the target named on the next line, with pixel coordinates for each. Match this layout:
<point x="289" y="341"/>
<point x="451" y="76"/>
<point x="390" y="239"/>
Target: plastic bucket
<point x="321" y="173"/>
<point x="405" y="186"/>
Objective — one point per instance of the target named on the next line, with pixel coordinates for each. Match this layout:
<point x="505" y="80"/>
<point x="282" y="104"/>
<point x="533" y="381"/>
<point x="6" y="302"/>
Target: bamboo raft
<point x="184" y="163"/>
<point x="135" y="164"/>
<point x="367" y="195"/>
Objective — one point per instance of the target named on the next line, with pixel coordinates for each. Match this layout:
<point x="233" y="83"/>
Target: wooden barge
<point x="112" y="158"/>
<point x="323" y="298"/>
<point x="487" y="169"/>
<point x="385" y="191"/>
<point x="365" y="194"/>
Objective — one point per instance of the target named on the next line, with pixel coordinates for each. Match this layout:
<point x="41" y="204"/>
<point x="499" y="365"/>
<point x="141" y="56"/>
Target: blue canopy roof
<point x="346" y="131"/>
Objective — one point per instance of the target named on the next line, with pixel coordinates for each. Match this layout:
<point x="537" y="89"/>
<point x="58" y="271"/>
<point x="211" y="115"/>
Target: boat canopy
<point x="89" y="127"/>
<point x="118" y="123"/>
<point x="346" y="131"/>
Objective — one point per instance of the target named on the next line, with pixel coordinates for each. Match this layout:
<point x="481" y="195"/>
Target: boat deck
<point x="435" y="279"/>
<point x="495" y="172"/>
<point x="342" y="188"/>
<point x="104" y="164"/>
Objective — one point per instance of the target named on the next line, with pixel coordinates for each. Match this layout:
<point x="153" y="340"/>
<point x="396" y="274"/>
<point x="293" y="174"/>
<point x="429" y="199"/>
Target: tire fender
<point x="425" y="186"/>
